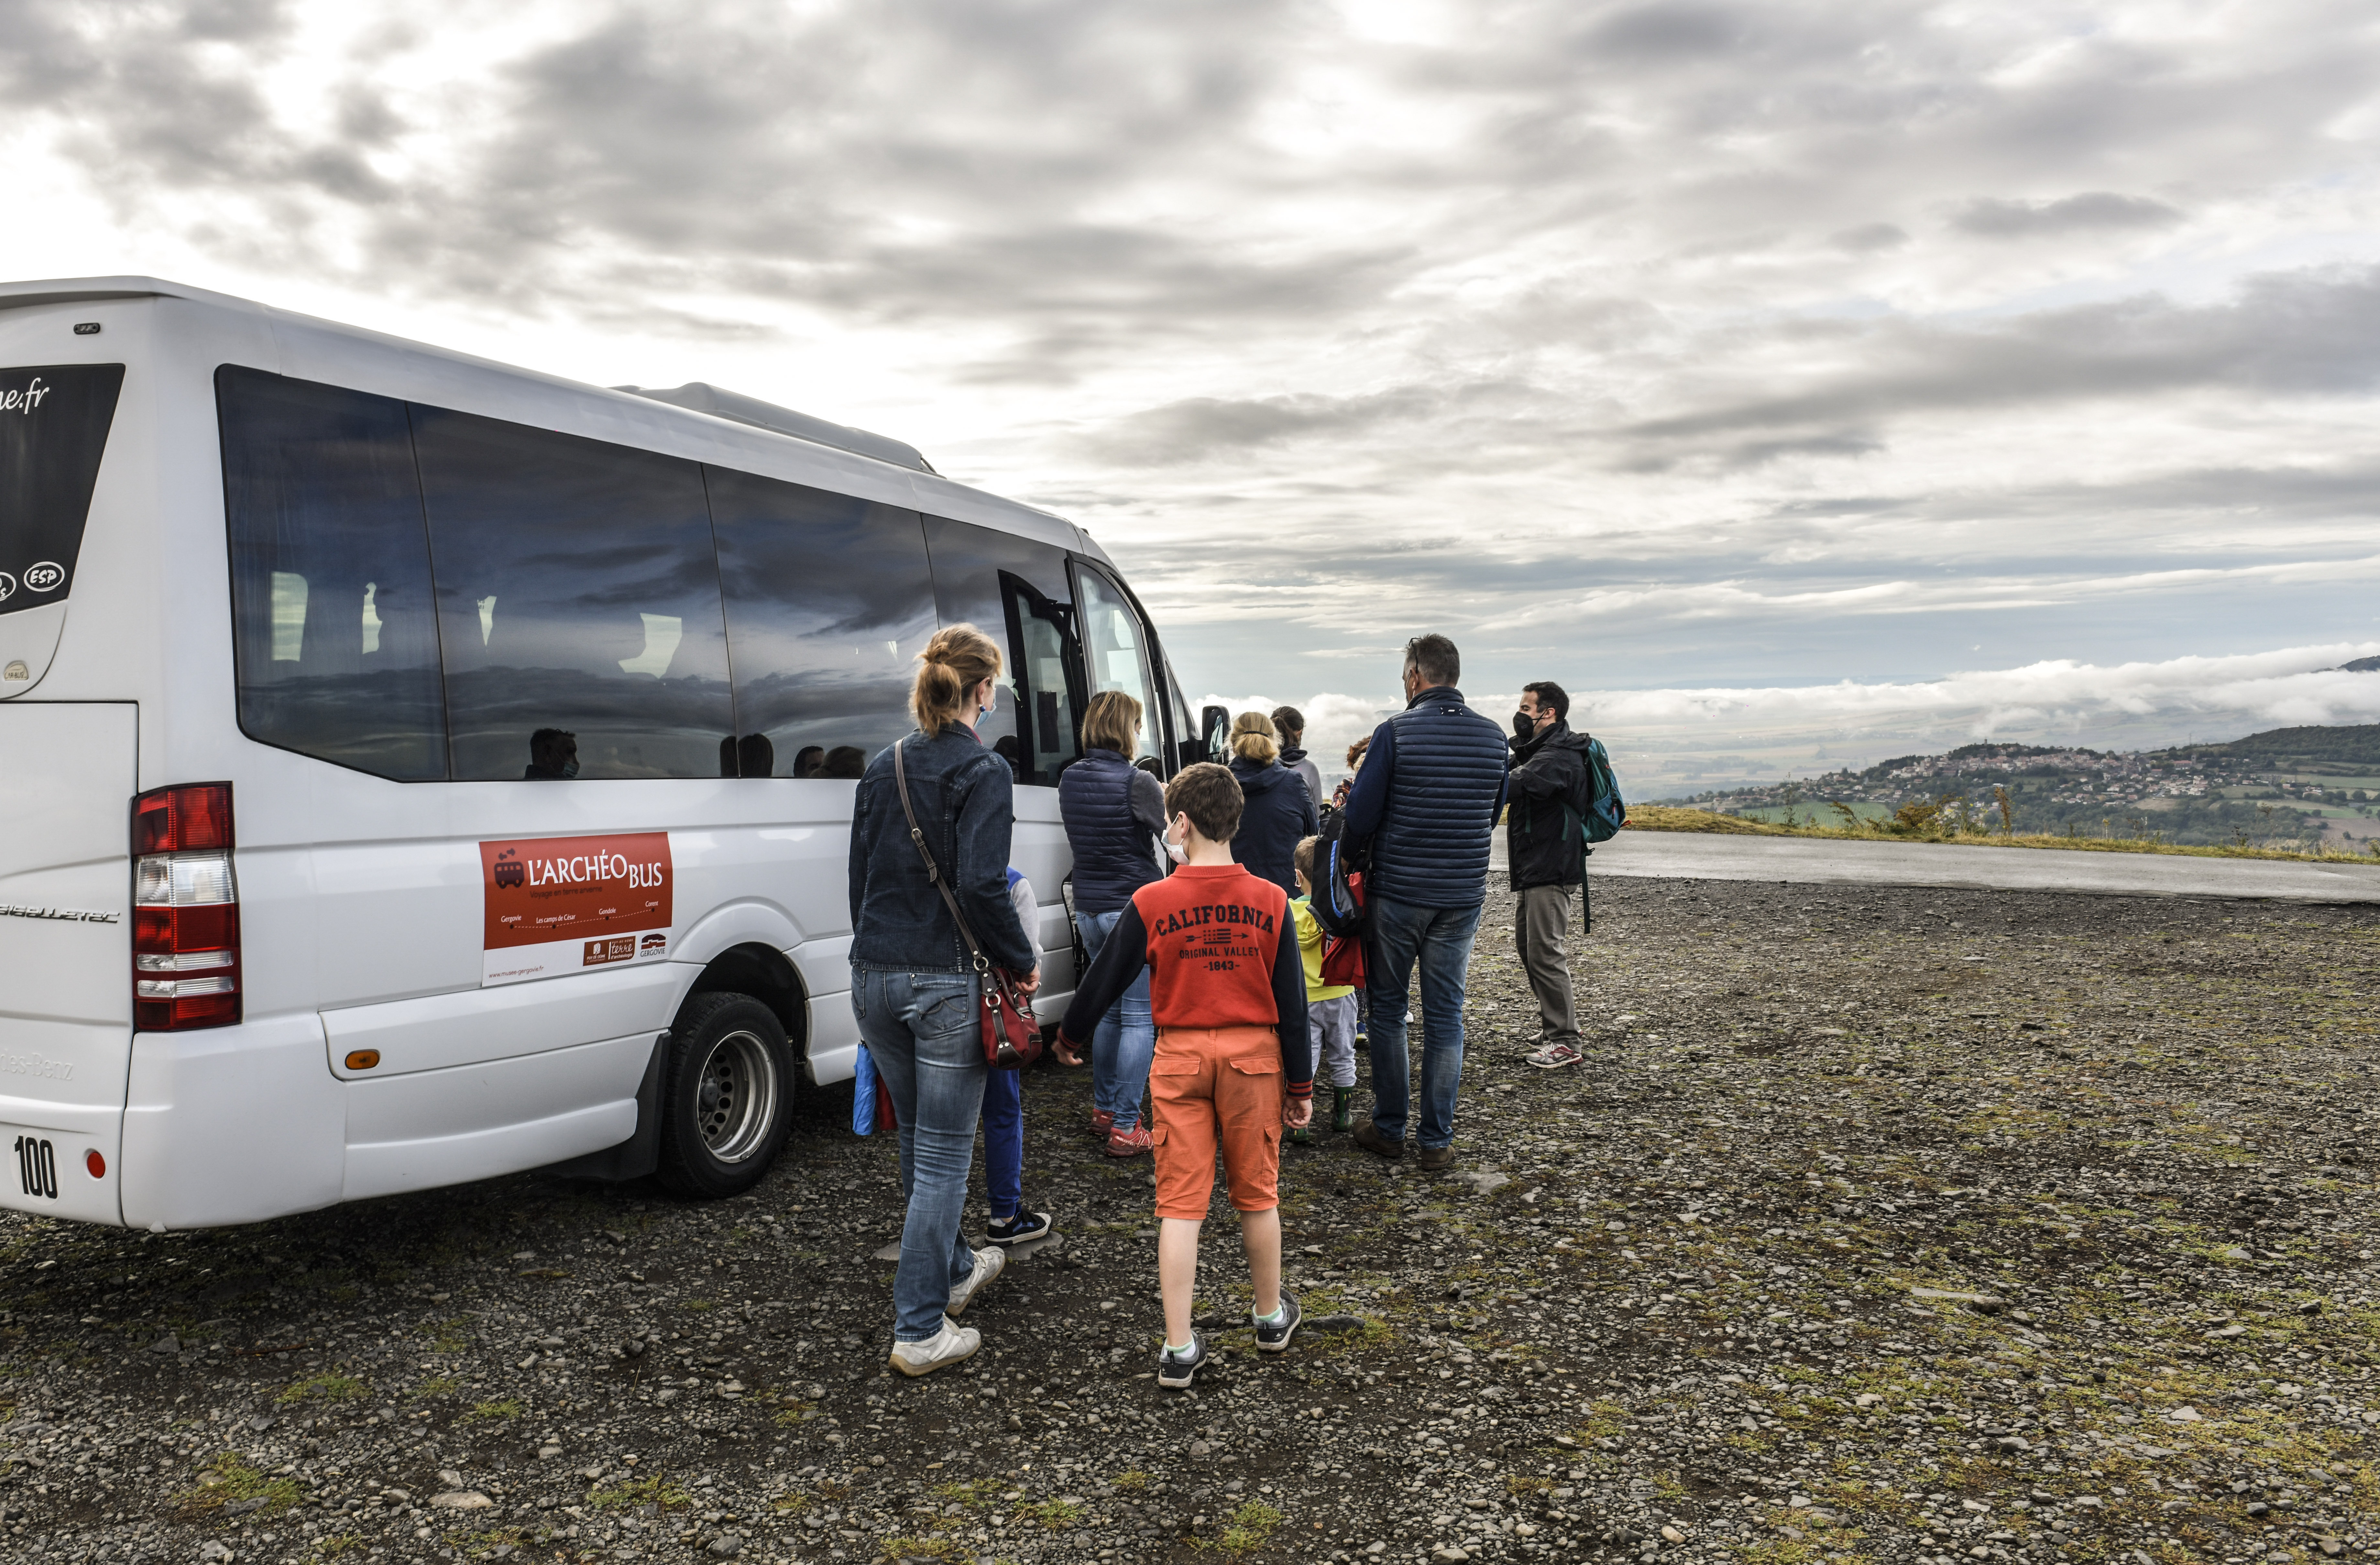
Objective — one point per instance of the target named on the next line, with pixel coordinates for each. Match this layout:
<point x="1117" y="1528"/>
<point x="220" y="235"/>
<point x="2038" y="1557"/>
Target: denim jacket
<point x="965" y="796"/>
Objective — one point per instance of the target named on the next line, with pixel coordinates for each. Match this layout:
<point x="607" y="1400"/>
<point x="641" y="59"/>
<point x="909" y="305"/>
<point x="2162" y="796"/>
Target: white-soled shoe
<point x="950" y="1344"/>
<point x="988" y="1264"/>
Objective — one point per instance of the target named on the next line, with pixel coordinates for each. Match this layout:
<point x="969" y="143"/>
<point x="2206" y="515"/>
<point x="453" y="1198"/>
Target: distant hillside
<point x="2282" y="787"/>
<point x="2357" y="744"/>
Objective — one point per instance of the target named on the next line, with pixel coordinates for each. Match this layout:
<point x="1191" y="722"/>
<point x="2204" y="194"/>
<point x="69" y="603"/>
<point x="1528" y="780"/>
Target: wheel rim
<point x="737" y="1099"/>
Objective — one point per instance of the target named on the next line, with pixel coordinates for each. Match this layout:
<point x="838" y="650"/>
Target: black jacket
<point x="965" y="803"/>
<point x="1280" y="813"/>
<point x="1544" y="830"/>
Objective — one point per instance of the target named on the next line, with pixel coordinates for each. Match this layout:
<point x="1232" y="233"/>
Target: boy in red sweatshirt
<point x="1235" y="1062"/>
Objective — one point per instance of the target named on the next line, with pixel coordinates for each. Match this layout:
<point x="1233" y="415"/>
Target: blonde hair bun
<point x="1251" y="739"/>
<point x="958" y="659"/>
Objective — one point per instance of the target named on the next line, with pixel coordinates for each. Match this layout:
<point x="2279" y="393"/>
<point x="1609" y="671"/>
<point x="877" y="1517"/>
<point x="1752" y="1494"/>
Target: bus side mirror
<point x="1213" y="722"/>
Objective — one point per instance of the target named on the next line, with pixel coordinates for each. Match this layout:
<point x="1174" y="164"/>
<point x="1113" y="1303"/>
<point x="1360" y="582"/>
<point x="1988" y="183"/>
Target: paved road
<point x="1709" y="857"/>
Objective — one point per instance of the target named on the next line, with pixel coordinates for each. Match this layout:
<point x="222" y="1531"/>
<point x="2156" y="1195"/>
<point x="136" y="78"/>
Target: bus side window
<point x="578" y="590"/>
<point x="829" y="604"/>
<point x="1016" y="591"/>
<point x="332" y="641"/>
<point x="1115" y="652"/>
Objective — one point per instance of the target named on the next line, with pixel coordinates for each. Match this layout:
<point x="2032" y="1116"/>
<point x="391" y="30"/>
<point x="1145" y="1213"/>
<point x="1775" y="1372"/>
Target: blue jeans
<point x="1003" y="1142"/>
<point x="1440" y="939"/>
<point x="1125" y="1038"/>
<point x="922" y="1031"/>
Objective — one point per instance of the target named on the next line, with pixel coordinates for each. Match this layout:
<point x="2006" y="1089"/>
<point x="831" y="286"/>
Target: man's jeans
<point x="922" y="1031"/>
<point x="1439" y="940"/>
<point x="1125" y="1038"/>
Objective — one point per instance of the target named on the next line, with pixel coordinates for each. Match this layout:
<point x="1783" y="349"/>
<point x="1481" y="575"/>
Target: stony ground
<point x="1888" y="1225"/>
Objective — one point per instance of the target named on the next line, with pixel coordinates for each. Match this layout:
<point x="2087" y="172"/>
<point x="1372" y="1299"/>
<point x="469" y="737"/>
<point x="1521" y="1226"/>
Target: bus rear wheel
<point x="726" y="1097"/>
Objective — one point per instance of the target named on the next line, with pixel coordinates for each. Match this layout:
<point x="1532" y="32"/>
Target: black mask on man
<point x="1525" y="726"/>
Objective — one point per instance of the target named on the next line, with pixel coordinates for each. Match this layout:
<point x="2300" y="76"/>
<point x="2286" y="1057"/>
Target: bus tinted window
<point x="579" y="604"/>
<point x="333" y="638"/>
<point x="1016" y="591"/>
<point x="827" y="602"/>
<point x="1116" y="653"/>
<point x="54" y="423"/>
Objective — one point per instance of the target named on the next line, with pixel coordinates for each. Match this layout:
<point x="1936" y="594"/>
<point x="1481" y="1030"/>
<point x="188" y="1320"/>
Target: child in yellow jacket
<point x="1329" y="1008"/>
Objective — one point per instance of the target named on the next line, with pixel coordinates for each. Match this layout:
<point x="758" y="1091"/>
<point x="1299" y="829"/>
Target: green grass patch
<point x="698" y="1305"/>
<point x="438" y="1385"/>
<point x="488" y="1411"/>
<point x="1251" y="1528"/>
<point x="331" y="1388"/>
<point x="1057" y="1515"/>
<point x="229" y="1478"/>
<point x="1935" y="828"/>
<point x="974" y="1493"/>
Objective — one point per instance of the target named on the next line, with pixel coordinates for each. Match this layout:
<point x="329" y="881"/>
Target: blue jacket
<point x="965" y="801"/>
<point x="1113" y="809"/>
<point x="1432" y="786"/>
<point x="1278" y="813"/>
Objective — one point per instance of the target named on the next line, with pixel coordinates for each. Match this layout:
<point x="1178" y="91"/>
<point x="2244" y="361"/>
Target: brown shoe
<point x="1369" y="1137"/>
<point x="1436" y="1157"/>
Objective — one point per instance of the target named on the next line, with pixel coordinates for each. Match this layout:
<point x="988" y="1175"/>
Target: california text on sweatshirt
<point x="1220" y="948"/>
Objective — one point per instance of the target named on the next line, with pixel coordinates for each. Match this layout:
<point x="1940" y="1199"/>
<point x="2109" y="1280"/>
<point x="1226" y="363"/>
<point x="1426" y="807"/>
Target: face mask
<point x="570" y="767"/>
<point x="1524" y="725"/>
<point x="1179" y="853"/>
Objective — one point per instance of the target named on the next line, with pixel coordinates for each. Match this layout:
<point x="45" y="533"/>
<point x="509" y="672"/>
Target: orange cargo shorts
<point x="1211" y="1085"/>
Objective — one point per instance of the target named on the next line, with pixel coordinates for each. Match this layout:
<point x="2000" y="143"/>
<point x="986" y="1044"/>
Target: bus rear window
<point x="54" y="423"/>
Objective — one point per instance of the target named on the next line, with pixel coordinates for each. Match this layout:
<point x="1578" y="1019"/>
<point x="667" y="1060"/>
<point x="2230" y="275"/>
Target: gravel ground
<point x="1882" y="1224"/>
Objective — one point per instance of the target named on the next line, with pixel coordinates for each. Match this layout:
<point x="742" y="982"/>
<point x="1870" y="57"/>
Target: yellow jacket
<point x="1309" y="947"/>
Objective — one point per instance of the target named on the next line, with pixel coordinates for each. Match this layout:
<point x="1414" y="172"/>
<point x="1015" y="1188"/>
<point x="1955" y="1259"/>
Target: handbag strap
<point x="933" y="871"/>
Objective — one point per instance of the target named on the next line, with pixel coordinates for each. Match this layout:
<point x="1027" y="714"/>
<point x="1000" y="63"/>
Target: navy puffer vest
<point x="1111" y="853"/>
<point x="1431" y="849"/>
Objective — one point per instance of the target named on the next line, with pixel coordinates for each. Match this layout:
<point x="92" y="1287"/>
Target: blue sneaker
<point x="1017" y="1230"/>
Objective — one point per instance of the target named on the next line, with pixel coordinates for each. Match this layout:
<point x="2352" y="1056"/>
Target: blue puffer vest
<point x="1431" y="849"/>
<point x="1111" y="853"/>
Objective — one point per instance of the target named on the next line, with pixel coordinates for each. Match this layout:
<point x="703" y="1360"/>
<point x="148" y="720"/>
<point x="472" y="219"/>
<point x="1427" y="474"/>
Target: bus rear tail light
<point x="186" y="910"/>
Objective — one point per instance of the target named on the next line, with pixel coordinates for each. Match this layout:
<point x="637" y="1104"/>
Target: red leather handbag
<point x="1012" y="1037"/>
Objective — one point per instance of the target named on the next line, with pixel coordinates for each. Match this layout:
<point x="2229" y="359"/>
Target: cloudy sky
<point x="1783" y="378"/>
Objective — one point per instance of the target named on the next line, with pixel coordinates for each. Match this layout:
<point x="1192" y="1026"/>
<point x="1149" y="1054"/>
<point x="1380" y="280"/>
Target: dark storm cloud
<point x="2297" y="333"/>
<point x="2094" y="210"/>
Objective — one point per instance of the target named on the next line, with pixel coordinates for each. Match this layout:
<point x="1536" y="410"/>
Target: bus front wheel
<point x="726" y="1095"/>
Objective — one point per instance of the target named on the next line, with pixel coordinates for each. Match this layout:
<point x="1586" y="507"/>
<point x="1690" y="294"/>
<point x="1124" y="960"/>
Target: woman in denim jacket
<point x="913" y="987"/>
<point x="1115" y="815"/>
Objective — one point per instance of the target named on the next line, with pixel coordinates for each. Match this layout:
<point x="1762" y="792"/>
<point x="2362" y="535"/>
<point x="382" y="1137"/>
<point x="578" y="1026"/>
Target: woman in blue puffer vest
<point x="1280" y="813"/>
<point x="1115" y="816"/>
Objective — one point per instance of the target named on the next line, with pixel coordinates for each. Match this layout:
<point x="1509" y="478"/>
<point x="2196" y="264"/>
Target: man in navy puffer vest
<point x="1432" y="786"/>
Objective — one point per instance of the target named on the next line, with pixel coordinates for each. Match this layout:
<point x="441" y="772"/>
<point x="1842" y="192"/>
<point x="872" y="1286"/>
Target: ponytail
<point x="958" y="659"/>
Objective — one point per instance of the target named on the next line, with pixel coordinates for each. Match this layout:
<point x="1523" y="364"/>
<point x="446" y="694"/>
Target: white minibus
<point x="415" y="770"/>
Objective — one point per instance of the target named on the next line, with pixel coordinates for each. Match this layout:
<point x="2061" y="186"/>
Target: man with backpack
<point x="1553" y="795"/>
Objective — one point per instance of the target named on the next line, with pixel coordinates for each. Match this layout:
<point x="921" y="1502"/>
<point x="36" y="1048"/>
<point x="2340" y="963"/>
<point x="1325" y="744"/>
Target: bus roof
<point x="710" y="424"/>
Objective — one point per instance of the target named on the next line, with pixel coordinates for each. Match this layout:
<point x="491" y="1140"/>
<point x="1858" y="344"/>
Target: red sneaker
<point x="1102" y="1122"/>
<point x="1129" y="1143"/>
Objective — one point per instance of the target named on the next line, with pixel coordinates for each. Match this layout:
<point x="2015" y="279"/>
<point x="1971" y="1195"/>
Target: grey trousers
<point x="1541" y="935"/>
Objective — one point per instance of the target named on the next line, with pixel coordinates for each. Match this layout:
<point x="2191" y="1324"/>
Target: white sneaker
<point x="988" y="1264"/>
<point x="949" y="1345"/>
